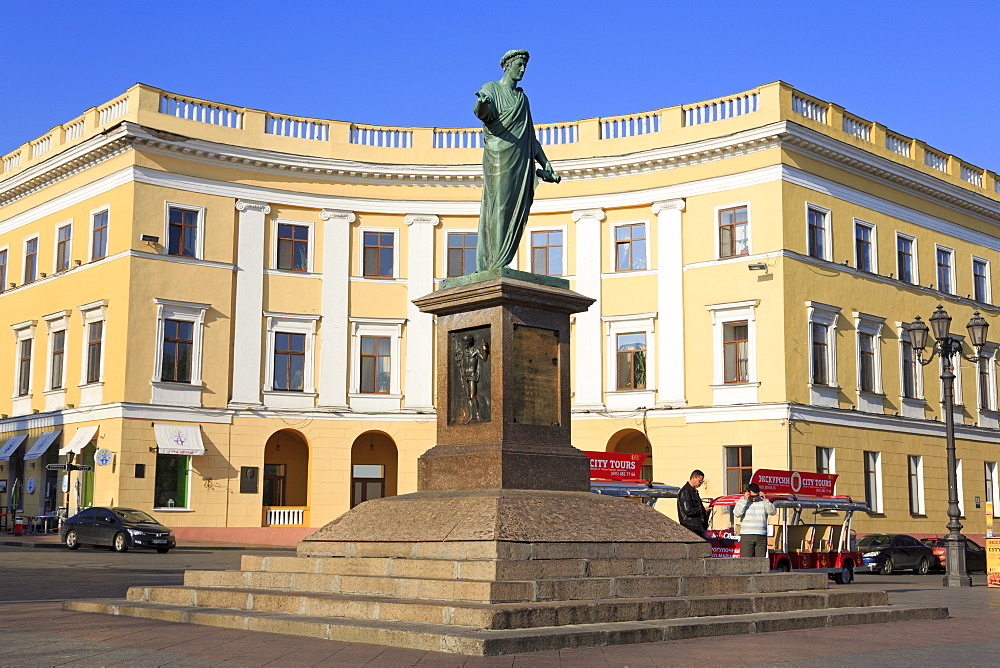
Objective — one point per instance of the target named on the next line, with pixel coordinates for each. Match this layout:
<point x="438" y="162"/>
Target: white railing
<point x="376" y="137"/>
<point x="203" y="112"/>
<point x="566" y="133"/>
<point x="809" y="109"/>
<point x="629" y="126"/>
<point x="897" y="145"/>
<point x="75" y="130"/>
<point x="716" y="110"/>
<point x="935" y="160"/>
<point x="41" y="146"/>
<point x="11" y="162"/>
<point x="112" y="111"/>
<point x="289" y="127"/>
<point x="457" y="139"/>
<point x="285" y="516"/>
<point x="973" y="176"/>
<point x="859" y="129"/>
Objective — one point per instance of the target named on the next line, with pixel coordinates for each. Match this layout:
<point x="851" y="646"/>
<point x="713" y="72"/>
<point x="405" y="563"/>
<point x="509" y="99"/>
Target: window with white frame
<point x="825" y="463"/>
<point x="57" y="324"/>
<point x="172" y="481"/>
<point x="24" y="335"/>
<point x="30" y="260"/>
<point x="986" y="376"/>
<point x="733" y="230"/>
<point x="869" y="363"/>
<point x="945" y="269"/>
<point x="915" y="475"/>
<point x="818" y="232"/>
<point x="378" y="253"/>
<point x="375" y="362"/>
<point x="992" y="486"/>
<point x="906" y="262"/>
<point x="910" y="379"/>
<point x="64" y="246"/>
<point x="865" y="257"/>
<point x="99" y="223"/>
<point x="961" y="487"/>
<point x="184" y="233"/>
<point x="177" y="363"/>
<point x="734" y="344"/>
<point x="461" y="257"/>
<point x="630" y="246"/>
<point x="822" y="343"/>
<point x="291" y="342"/>
<point x="293" y="245"/>
<point x="631" y="360"/>
<point x="981" y="280"/>
<point x="3" y="269"/>
<point x="957" y="388"/>
<point x="547" y="255"/>
<point x="94" y="315"/>
<point x="873" y="480"/>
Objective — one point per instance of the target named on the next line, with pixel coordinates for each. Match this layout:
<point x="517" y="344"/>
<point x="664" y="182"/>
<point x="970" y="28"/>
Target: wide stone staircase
<point x="495" y="597"/>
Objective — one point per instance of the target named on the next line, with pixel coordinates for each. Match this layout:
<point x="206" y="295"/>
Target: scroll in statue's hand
<point x="548" y="175"/>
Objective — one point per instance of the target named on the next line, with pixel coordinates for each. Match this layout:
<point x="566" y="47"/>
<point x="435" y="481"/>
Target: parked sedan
<point x="886" y="553"/>
<point x="975" y="555"/>
<point x="118" y="528"/>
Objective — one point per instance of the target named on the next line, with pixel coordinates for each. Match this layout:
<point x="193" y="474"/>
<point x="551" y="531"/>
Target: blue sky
<point x="926" y="69"/>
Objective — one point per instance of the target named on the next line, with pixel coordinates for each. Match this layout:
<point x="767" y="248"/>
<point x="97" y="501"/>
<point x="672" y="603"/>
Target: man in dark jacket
<point x="690" y="510"/>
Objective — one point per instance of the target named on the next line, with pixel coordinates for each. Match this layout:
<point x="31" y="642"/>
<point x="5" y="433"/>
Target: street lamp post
<point x="947" y="346"/>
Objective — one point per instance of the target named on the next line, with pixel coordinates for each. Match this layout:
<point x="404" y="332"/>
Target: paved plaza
<point x="35" y="631"/>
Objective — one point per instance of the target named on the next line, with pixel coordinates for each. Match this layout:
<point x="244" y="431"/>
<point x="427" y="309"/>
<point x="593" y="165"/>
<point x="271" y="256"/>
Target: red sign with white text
<point x="795" y="482"/>
<point x="615" y="466"/>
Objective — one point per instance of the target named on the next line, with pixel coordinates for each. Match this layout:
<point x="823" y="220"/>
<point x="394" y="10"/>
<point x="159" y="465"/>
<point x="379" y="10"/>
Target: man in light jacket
<point x="753" y="510"/>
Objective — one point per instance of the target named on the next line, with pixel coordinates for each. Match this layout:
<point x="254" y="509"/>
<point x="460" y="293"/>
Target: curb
<point x="269" y="548"/>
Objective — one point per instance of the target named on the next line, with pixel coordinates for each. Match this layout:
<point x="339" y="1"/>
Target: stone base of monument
<point x="504" y="549"/>
<point x="505" y="571"/>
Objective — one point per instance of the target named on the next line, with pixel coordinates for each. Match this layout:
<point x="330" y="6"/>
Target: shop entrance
<point x="374" y="465"/>
<point x="633" y="442"/>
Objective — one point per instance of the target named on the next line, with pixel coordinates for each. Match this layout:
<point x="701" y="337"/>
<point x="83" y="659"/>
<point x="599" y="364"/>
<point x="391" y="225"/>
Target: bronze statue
<point x="469" y="357"/>
<point x="510" y="149"/>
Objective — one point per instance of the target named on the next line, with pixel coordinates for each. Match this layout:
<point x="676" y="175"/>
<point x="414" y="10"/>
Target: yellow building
<point x="212" y="304"/>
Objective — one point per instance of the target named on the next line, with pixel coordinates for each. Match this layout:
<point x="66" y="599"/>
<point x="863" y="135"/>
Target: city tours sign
<point x="615" y="466"/>
<point x="795" y="482"/>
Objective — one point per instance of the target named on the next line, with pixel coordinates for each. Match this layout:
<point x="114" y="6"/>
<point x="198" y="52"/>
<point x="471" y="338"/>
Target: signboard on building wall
<point x="615" y="466"/>
<point x="993" y="562"/>
<point x="795" y="482"/>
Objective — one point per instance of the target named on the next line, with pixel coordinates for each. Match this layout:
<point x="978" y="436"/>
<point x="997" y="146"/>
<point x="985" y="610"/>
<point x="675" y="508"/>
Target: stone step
<point x="502" y="569"/>
<point x="472" y="550"/>
<point x="503" y="616"/>
<point x="482" y="642"/>
<point x="512" y="591"/>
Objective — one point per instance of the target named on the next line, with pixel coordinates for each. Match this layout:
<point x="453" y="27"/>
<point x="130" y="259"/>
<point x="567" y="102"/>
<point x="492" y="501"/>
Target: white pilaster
<point x="334" y="335"/>
<point x="670" y="303"/>
<point x="248" y="321"/>
<point x="588" y="366"/>
<point x="418" y="394"/>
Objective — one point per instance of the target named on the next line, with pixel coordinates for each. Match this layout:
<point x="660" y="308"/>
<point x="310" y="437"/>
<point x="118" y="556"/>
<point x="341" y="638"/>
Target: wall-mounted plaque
<point x="536" y="365"/>
<point x="248" y="479"/>
<point x="469" y="377"/>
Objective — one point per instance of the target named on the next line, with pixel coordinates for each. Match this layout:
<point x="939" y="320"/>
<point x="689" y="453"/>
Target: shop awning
<point x="177" y="439"/>
<point x="7" y="451"/>
<point x="79" y="441"/>
<point x="42" y="444"/>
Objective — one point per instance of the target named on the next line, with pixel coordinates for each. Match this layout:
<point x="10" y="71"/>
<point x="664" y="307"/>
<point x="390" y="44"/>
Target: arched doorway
<point x="285" y="483"/>
<point x="634" y="442"/>
<point x="374" y="465"/>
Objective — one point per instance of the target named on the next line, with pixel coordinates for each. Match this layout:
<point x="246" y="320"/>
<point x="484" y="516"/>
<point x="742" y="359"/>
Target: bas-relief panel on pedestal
<point x="469" y="377"/>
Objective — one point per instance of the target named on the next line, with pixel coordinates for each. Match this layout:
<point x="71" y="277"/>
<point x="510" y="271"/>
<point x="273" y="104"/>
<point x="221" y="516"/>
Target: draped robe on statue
<point x="509" y="149"/>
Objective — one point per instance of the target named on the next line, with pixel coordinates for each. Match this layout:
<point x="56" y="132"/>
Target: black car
<point x="118" y="528"/>
<point x="886" y="553"/>
<point x="975" y="555"/>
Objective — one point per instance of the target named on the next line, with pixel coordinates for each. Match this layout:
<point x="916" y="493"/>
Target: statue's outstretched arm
<point x="484" y="108"/>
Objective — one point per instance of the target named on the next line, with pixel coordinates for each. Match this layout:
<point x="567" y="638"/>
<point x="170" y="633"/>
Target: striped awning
<point x="79" y="441"/>
<point x="12" y="443"/>
<point x="42" y="444"/>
